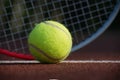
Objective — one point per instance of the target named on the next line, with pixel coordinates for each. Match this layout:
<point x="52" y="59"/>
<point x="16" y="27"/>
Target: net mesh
<point x="18" y="17"/>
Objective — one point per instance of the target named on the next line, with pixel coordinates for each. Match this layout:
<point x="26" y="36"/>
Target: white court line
<point x="92" y="61"/>
<point x="66" y="61"/>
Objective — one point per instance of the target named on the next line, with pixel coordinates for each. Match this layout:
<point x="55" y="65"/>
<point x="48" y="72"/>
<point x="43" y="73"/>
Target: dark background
<point x="111" y="37"/>
<point x="106" y="47"/>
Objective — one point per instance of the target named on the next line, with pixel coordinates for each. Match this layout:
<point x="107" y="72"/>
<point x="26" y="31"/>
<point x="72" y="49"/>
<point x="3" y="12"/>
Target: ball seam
<point x="43" y="53"/>
<point x="53" y="25"/>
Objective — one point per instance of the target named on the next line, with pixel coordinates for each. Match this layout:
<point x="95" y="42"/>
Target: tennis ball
<point x="50" y="42"/>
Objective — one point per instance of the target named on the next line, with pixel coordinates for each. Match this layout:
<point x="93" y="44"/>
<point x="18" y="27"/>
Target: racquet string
<point x="82" y="17"/>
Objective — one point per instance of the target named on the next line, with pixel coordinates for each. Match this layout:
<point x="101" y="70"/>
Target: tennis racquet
<point x="85" y="19"/>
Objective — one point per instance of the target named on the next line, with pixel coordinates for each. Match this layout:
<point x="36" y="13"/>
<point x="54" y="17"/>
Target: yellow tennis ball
<point x="50" y="42"/>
